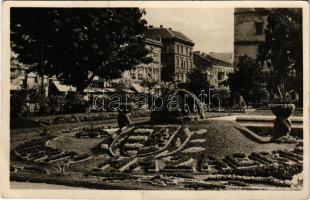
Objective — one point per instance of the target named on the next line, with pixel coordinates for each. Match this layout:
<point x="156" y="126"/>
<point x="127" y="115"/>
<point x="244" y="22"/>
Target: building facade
<point x="22" y="78"/>
<point x="176" y="55"/>
<point x="216" y="70"/>
<point x="249" y="27"/>
<point x="226" y="57"/>
<point x="151" y="71"/>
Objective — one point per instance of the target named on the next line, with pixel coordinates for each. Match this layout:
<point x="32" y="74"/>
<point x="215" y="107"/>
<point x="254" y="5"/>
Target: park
<point x="107" y="109"/>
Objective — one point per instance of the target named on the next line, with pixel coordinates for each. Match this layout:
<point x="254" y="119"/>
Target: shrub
<point x="18" y="107"/>
<point x="56" y="103"/>
<point x="38" y="98"/>
<point x="30" y="102"/>
<point x="74" y="103"/>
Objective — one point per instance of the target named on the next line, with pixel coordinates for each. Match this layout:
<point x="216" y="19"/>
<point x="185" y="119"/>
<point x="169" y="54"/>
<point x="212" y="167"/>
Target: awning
<point x="64" y="88"/>
<point x="128" y="91"/>
<point x="138" y="87"/>
<point x="110" y="89"/>
<point x="88" y="90"/>
<point x="99" y="90"/>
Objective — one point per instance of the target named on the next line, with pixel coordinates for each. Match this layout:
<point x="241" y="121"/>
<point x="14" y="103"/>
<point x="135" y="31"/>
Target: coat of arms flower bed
<point x="156" y="156"/>
<point x="188" y="154"/>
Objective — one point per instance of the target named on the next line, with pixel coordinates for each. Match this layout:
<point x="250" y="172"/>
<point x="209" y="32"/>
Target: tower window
<point x="259" y="27"/>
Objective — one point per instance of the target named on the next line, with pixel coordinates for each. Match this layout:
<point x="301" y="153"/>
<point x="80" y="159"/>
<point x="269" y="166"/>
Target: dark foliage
<point x="75" y="103"/>
<point x="247" y="80"/>
<point x="282" y="52"/>
<point x="76" y="44"/>
<point x="198" y="82"/>
<point x="29" y="102"/>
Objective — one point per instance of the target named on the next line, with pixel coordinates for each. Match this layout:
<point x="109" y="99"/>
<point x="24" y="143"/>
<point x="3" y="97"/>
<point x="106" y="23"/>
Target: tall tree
<point x="197" y="82"/>
<point x="77" y="44"/>
<point x="282" y="51"/>
<point x="247" y="79"/>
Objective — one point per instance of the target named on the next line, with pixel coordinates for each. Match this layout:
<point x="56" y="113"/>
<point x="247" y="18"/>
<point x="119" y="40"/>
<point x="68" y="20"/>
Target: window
<point x="133" y="75"/>
<point x="220" y="75"/>
<point x="140" y="74"/>
<point x="259" y="27"/>
<point x="177" y="62"/>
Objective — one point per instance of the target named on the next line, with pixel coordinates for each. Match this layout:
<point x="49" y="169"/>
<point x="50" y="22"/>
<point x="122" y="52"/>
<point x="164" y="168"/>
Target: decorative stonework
<point x="179" y="106"/>
<point x="282" y="125"/>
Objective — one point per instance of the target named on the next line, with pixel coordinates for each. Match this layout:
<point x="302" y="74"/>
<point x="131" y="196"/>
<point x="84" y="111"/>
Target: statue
<point x="179" y="105"/>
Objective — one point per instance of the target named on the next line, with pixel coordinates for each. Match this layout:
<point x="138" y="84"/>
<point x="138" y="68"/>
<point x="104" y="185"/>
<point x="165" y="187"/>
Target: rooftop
<point x="204" y="61"/>
<point x="166" y="33"/>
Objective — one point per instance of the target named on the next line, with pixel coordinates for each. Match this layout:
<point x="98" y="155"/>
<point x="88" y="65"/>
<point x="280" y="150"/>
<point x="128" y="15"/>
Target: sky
<point x="210" y="29"/>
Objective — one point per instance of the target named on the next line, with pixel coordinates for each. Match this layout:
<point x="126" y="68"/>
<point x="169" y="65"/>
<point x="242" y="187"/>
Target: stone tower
<point x="249" y="27"/>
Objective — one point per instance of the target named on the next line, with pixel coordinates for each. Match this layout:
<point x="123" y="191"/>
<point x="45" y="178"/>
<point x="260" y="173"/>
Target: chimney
<point x="161" y="26"/>
<point x="150" y="26"/>
<point x="203" y="54"/>
<point x="170" y="29"/>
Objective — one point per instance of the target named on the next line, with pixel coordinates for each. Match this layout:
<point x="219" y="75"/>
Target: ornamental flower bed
<point x="180" y="163"/>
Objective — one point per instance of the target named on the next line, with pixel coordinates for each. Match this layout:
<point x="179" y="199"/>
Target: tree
<point x="77" y="44"/>
<point x="149" y="83"/>
<point x="198" y="82"/>
<point x="282" y="51"/>
<point x="247" y="79"/>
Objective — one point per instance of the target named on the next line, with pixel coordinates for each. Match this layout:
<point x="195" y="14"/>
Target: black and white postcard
<point x="155" y="100"/>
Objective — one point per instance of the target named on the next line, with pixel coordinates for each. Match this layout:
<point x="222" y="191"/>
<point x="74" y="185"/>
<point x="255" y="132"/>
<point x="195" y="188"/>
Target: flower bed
<point x="70" y="118"/>
<point x="283" y="172"/>
<point x="249" y="179"/>
<point x="91" y="133"/>
<point x="204" y="186"/>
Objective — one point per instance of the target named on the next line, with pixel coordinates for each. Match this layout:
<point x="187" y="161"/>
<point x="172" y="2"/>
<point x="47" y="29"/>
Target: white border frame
<point x="145" y="194"/>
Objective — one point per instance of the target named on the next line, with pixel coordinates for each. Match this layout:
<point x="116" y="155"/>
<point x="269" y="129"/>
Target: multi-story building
<point x="250" y="24"/>
<point x="22" y="78"/>
<point x="226" y="57"/>
<point x="176" y="55"/>
<point x="151" y="71"/>
<point x="216" y="70"/>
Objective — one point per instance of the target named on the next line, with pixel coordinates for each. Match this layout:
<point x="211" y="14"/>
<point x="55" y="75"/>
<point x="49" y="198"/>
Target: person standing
<point x="123" y="118"/>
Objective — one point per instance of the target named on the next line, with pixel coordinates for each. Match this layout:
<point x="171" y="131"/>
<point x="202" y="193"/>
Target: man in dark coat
<point x="123" y="118"/>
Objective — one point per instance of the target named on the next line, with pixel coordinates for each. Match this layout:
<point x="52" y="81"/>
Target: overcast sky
<point x="210" y="29"/>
